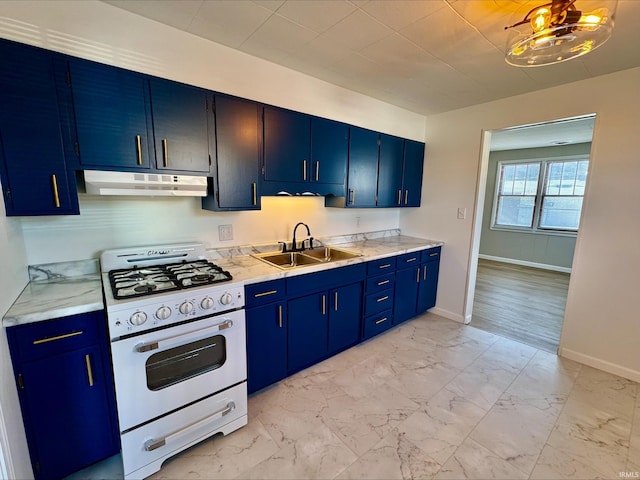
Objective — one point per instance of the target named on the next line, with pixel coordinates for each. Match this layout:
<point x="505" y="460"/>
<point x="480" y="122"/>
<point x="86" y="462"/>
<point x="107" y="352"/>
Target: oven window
<point x="180" y="363"/>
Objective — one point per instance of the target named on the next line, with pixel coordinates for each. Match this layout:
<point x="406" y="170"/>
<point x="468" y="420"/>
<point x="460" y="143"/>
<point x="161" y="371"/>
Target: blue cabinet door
<point x="32" y="160"/>
<point x="67" y="402"/>
<point x="181" y="118"/>
<point x="428" y="285"/>
<point x="329" y="151"/>
<point x="406" y="294"/>
<point x="112" y="113"/>
<point x="237" y="165"/>
<point x="390" y="171"/>
<point x="363" y="168"/>
<point x="345" y="316"/>
<point x="287" y="139"/>
<point x="266" y="345"/>
<point x="413" y="173"/>
<point x="308" y="319"/>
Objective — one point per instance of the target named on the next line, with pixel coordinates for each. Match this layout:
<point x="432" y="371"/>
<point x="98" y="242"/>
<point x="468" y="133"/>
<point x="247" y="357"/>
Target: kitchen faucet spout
<point x="294" y="245"/>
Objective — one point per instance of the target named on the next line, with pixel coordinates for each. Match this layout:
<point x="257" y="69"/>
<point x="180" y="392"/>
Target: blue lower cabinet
<point x="308" y="330"/>
<point x="65" y="387"/>
<point x="429" y="270"/>
<point x="406" y="294"/>
<point x="345" y="317"/>
<point x="266" y="345"/>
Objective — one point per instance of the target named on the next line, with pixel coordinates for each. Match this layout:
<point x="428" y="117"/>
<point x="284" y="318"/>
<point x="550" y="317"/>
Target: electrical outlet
<point x="462" y="213"/>
<point x="225" y="232"/>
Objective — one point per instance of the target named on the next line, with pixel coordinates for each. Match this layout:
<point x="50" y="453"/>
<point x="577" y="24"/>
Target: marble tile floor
<point x="431" y="399"/>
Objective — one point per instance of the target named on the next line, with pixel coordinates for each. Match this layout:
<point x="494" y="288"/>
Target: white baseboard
<point x="447" y="314"/>
<point x="524" y="263"/>
<point x="609" y="367"/>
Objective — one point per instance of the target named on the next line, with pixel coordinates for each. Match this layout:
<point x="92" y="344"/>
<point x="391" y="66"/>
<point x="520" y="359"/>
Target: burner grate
<point x="137" y="282"/>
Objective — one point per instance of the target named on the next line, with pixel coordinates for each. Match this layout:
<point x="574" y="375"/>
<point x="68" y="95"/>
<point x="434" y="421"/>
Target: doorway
<point x="529" y="197"/>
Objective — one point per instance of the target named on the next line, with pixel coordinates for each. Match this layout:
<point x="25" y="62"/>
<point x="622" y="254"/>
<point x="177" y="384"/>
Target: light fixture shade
<point x="559" y="31"/>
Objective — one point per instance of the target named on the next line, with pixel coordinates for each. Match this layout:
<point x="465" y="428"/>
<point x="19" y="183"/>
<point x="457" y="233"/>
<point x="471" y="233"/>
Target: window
<point x="542" y="195"/>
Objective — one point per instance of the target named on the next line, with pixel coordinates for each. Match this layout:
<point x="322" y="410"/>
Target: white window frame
<point x="537" y="207"/>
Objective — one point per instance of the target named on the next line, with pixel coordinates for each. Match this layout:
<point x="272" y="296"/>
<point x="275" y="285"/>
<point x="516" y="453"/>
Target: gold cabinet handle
<point x="386" y="265"/>
<point x="399" y="197"/>
<point x="264" y="294"/>
<point x="324" y="304"/>
<point x="424" y="273"/>
<point x="304" y="170"/>
<point x="335" y="301"/>
<point x="317" y="171"/>
<point x="433" y="254"/>
<point x="139" y="149"/>
<point x="378" y="322"/>
<point x="353" y="196"/>
<point x="409" y="260"/>
<point x="254" y="189"/>
<point x="56" y="197"/>
<point x="280" y="316"/>
<point x="165" y="151"/>
<point x="384" y="282"/>
<point x="58" y="337"/>
<point x="87" y="360"/>
<point x="382" y="299"/>
<point x="406" y="197"/>
<point x="418" y="275"/>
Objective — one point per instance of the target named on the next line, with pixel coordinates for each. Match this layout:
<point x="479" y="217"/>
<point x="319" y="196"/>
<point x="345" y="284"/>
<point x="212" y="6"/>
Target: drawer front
<point x="52" y="337"/>
<point x="379" y="283"/>
<point x="331" y="278"/>
<point x="263" y="293"/>
<point x="377" y="302"/>
<point x="408" y="260"/>
<point x="378" y="267"/>
<point x="431" y="255"/>
<point x="375" y="324"/>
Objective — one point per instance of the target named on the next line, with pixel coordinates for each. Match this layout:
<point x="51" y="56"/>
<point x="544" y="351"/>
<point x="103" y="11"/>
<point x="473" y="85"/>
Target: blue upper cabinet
<point x="34" y="173"/>
<point x="181" y="117"/>
<point x="412" y="173"/>
<point x="303" y="154"/>
<point x="390" y="171"/>
<point x="363" y="168"/>
<point x="236" y="174"/>
<point x="112" y="116"/>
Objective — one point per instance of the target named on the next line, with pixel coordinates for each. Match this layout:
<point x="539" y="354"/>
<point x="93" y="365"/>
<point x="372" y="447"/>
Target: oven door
<point x="164" y="370"/>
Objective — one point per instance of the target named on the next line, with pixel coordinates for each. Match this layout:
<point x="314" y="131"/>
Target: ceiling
<point x="427" y="56"/>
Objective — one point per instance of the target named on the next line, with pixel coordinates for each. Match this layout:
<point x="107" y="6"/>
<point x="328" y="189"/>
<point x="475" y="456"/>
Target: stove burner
<point x="137" y="282"/>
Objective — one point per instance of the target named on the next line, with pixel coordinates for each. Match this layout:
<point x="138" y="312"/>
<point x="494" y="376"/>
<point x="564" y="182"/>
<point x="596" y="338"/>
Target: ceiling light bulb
<point x="541" y="19"/>
<point x="594" y="19"/>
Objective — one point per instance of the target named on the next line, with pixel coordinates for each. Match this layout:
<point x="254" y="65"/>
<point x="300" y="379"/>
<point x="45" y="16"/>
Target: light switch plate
<point x="462" y="213"/>
<point x="225" y="232"/>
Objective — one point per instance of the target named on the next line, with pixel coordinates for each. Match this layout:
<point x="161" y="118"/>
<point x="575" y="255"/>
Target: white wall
<point x="13" y="444"/>
<point x="600" y="327"/>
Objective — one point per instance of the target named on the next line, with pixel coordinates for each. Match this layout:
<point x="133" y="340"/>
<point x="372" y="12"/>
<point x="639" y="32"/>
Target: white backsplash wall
<point x="114" y="222"/>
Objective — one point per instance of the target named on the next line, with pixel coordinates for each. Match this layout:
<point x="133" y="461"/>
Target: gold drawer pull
<point x="433" y="254"/>
<point x="383" y="282"/>
<point x="382" y="299"/>
<point x="165" y="151"/>
<point x="279" y="316"/>
<point x="264" y="294"/>
<point x="304" y="170"/>
<point x="378" y="322"/>
<point x="386" y="265"/>
<point x="56" y="196"/>
<point x="254" y="190"/>
<point x="59" y="337"/>
<point x="409" y="260"/>
<point x="139" y="149"/>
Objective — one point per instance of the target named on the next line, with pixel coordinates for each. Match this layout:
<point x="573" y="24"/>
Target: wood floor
<point x="522" y="303"/>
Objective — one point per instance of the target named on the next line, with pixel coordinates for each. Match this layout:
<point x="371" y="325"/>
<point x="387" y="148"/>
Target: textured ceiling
<point x="427" y="56"/>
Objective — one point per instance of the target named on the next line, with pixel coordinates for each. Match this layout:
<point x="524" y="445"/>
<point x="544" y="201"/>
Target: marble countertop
<point x="59" y="290"/>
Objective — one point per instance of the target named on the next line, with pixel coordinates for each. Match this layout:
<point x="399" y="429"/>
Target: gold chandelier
<point x="557" y="31"/>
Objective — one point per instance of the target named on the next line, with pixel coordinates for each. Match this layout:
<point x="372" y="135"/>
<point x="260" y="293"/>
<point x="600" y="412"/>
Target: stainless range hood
<point x="131" y="183"/>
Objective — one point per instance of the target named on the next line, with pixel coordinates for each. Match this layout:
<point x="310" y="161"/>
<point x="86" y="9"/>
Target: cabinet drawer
<point x="381" y="282"/>
<point x="431" y="255"/>
<point x="408" y="260"/>
<point x="263" y="293"/>
<point x="381" y="266"/>
<point x="330" y="278"/>
<point x="377" y="302"/>
<point x="52" y="337"/>
<point x="375" y="324"/>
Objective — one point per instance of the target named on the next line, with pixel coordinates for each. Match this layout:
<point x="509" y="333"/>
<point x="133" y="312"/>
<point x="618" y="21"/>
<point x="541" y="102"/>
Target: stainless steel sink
<point x="330" y="254"/>
<point x="306" y="258"/>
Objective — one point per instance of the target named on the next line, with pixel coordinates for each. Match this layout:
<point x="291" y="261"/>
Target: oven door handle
<point x="183" y="337"/>
<point x="153" y="443"/>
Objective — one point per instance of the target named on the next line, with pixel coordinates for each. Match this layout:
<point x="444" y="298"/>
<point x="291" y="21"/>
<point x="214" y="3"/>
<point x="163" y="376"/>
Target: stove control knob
<point x="206" y="303"/>
<point x="226" y="298"/>
<point x="186" y="308"/>
<point x="138" y="318"/>
<point x="163" y="313"/>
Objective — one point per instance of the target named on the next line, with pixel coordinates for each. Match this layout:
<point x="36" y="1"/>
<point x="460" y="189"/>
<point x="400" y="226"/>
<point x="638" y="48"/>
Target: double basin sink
<point x="316" y="256"/>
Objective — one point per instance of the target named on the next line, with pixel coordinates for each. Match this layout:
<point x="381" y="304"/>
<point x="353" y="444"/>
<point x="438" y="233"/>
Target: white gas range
<point x="177" y="329"/>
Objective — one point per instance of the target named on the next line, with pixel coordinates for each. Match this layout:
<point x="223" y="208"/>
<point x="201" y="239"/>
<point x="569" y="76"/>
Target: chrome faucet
<point x="294" y="243"/>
